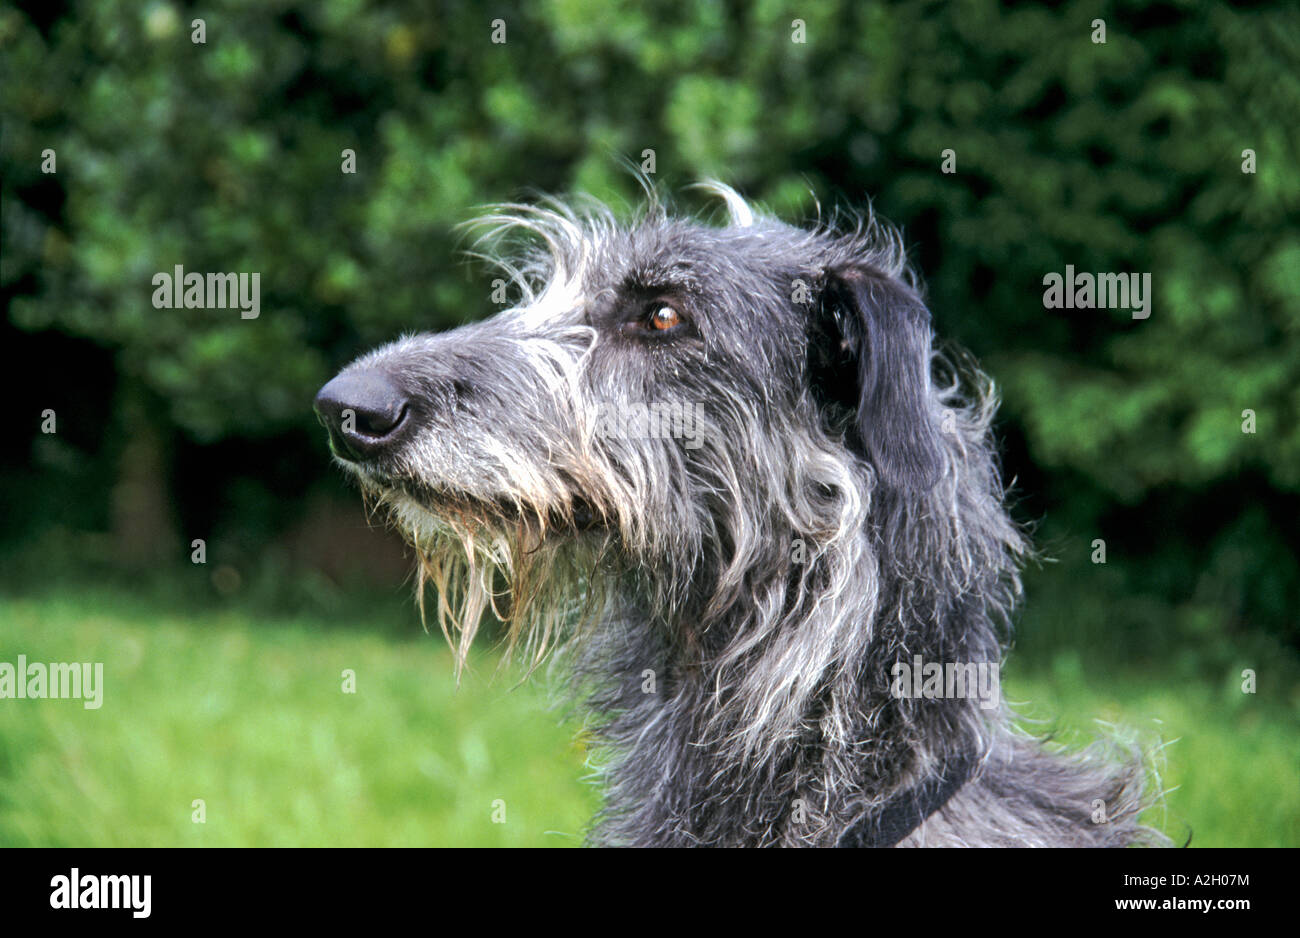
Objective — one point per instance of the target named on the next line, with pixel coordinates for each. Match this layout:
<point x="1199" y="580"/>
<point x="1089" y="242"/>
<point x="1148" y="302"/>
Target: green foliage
<point x="1122" y="156"/>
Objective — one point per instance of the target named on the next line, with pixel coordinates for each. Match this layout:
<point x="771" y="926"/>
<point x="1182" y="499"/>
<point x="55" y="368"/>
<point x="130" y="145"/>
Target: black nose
<point x="364" y="412"/>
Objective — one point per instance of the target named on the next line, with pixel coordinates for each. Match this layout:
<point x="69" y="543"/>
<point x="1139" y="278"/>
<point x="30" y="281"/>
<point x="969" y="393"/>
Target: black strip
<point x="908" y="810"/>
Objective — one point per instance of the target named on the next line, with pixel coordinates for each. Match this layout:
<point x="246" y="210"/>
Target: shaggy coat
<point x="723" y="468"/>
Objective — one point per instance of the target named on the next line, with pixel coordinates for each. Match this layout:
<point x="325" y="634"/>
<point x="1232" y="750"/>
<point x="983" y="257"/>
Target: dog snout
<point x="364" y="412"/>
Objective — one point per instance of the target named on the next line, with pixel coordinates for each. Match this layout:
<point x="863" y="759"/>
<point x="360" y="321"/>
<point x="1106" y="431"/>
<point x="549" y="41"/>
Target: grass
<point x="1228" y="762"/>
<point x="247" y="713"/>
<point x="250" y="717"/>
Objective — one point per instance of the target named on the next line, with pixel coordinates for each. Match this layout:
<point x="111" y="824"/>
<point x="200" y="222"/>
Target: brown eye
<point x="665" y="317"/>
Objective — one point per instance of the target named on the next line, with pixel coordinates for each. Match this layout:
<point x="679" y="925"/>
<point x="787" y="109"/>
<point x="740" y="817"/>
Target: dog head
<point x="681" y="397"/>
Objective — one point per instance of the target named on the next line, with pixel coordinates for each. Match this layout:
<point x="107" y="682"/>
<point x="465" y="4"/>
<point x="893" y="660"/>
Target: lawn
<point x="250" y="717"/>
<point x="248" y="714"/>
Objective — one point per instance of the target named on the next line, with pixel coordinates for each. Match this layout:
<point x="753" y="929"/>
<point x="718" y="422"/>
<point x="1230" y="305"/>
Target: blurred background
<point x="223" y="679"/>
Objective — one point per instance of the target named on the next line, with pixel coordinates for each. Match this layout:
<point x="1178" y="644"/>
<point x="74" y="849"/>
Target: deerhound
<point x="721" y="468"/>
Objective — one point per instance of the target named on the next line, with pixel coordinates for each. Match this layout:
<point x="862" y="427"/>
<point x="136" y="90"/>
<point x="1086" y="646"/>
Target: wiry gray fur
<point x="732" y="612"/>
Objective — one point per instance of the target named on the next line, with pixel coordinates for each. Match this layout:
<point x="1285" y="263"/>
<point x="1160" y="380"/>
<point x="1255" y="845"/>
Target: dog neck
<point x="703" y="712"/>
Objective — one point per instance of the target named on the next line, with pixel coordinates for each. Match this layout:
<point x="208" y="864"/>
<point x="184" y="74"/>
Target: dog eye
<point x="664" y="318"/>
<point x="656" y="318"/>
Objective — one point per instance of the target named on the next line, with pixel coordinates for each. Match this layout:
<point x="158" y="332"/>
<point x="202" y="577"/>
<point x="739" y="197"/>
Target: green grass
<point x="1229" y="762"/>
<point x="247" y="714"/>
<point x="250" y="717"/>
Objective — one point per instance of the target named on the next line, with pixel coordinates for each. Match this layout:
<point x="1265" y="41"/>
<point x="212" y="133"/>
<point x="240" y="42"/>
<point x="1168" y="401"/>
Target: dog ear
<point x="871" y="353"/>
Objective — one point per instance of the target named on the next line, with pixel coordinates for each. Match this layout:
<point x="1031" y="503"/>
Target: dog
<point x="721" y="468"/>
